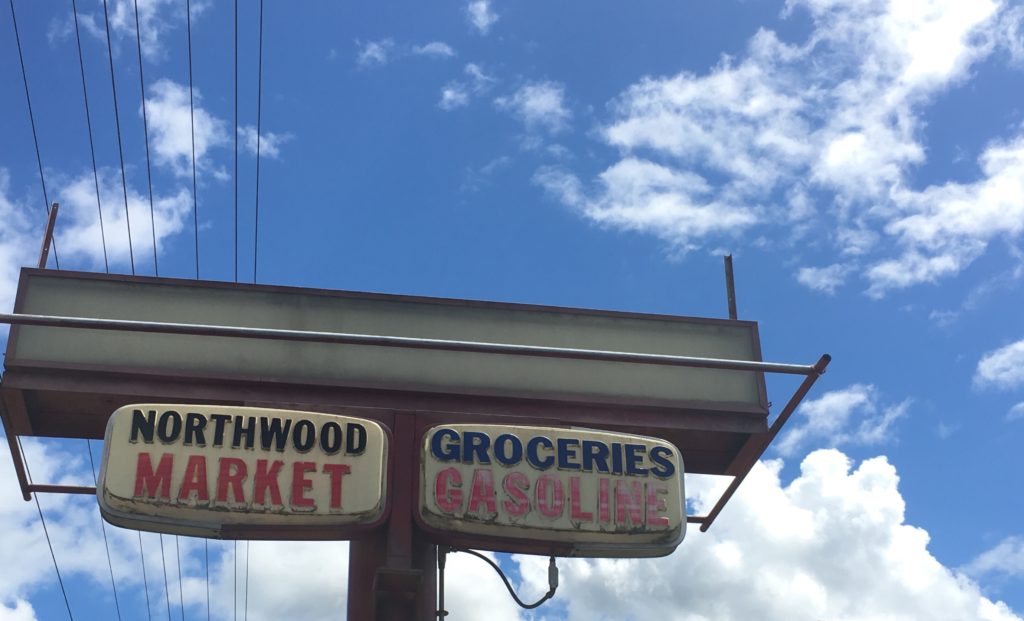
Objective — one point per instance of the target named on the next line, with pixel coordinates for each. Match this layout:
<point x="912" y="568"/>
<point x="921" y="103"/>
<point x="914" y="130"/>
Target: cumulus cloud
<point x="269" y="142"/>
<point x="539" y="105"/>
<point x="170" y="128"/>
<point x="832" y="544"/>
<point x="837" y="116"/>
<point x="480" y="15"/>
<point x="157" y="20"/>
<point x="1001" y="368"/>
<point x="1016" y="412"/>
<point x="851" y="415"/>
<point x="375" y="53"/>
<point x="436" y="49"/>
<point x="19" y="240"/>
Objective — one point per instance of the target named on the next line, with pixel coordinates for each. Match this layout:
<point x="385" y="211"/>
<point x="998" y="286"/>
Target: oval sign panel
<point x="552" y="490"/>
<point x="239" y="472"/>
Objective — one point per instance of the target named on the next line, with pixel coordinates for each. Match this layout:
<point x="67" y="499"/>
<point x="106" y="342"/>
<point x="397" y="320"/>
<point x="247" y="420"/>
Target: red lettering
<point x="574" y="502"/>
<point x="232" y="472"/>
<point x="447" y="492"/>
<point x="300" y="484"/>
<point x="266" y="479"/>
<point x="336" y="471"/>
<point x="515" y="485"/>
<point x="550" y="496"/>
<point x="629" y="498"/>
<point x="656" y="505"/>
<point x="195" y="480"/>
<point x="482" y="493"/>
<point x="604" y="505"/>
<point x="151" y="483"/>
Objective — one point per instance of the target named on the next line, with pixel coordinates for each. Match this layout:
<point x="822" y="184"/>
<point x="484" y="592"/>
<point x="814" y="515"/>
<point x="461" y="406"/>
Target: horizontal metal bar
<point x="403" y="341"/>
<point x="62" y="489"/>
<point x="696" y="519"/>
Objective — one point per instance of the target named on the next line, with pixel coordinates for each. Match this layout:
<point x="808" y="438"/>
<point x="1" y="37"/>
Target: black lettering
<point x="445" y="451"/>
<point x="634" y="457"/>
<point x="330" y="437"/>
<point x="248" y="430"/>
<point x="169" y="427"/>
<point x="533" y="458"/>
<point x="303" y="436"/>
<point x="355" y="439"/>
<point x="274" y="431"/>
<point x="194" y="425"/>
<point x="567" y="452"/>
<point x="616" y="458"/>
<point x="219" y="421"/>
<point x="503" y="455"/>
<point x="144" y="424"/>
<point x="595" y="456"/>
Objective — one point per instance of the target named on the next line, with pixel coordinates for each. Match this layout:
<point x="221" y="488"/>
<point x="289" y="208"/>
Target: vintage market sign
<point x="604" y="494"/>
<point x="239" y="472"/>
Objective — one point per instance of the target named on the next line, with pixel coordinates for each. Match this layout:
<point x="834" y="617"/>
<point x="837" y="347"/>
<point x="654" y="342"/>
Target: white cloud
<point x="269" y="143"/>
<point x="824" y="279"/>
<point x="851" y="415"/>
<point x="1016" y="412"/>
<point x="839" y="116"/>
<point x="81" y="236"/>
<point x="540" y="105"/>
<point x="170" y="128"/>
<point x="22" y="611"/>
<point x="436" y="49"/>
<point x="1001" y="368"/>
<point x="19" y="241"/>
<point x="480" y="15"/>
<point x="1007" y="558"/>
<point x="458" y="93"/>
<point x="832" y="544"/>
<point x="375" y="53"/>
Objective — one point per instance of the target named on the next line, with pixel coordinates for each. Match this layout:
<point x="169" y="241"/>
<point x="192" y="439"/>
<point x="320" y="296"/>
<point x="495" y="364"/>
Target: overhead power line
<point x="236" y="140"/>
<point x="103" y="527"/>
<point x="92" y="148"/>
<point x="145" y="129"/>
<point x="259" y="139"/>
<point x="192" y="119"/>
<point x="120" y="147"/>
<point x="32" y="122"/>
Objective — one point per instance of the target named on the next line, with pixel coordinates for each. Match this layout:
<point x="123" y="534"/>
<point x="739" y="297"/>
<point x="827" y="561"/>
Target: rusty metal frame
<point x="748" y="455"/>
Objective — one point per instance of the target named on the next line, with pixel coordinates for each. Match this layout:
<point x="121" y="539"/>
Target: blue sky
<point x="862" y="160"/>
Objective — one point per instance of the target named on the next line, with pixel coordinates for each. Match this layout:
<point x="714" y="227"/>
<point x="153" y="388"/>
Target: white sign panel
<point x="604" y="494"/>
<point x="234" y="472"/>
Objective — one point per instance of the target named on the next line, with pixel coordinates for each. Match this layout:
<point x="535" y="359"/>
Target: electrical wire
<point x="236" y="140"/>
<point x="145" y="579"/>
<point x="259" y="119"/>
<point x="552" y="579"/>
<point x="103" y="527"/>
<point x="181" y="585"/>
<point x="46" y="532"/>
<point x="192" y="119"/>
<point x="120" y="148"/>
<point x="92" y="148"/>
<point x="234" y="599"/>
<point x="145" y="129"/>
<point x="206" y="545"/>
<point x="245" y="614"/>
<point x="167" y="586"/>
<point x="32" y="122"/>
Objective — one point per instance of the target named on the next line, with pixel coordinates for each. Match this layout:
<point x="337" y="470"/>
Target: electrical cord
<point x="552" y="579"/>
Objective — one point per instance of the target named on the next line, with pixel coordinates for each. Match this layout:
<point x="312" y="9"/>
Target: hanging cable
<point x="92" y="148"/>
<point x="236" y="140"/>
<point x="206" y="543"/>
<point x="245" y="612"/>
<point x="192" y="119"/>
<point x="120" y="149"/>
<point x="32" y="122"/>
<point x="46" y="532"/>
<point x="167" y="587"/>
<point x="103" y="527"/>
<point x="552" y="579"/>
<point x="259" y="139"/>
<point x="145" y="129"/>
<point x="235" y="598"/>
<point x="181" y="585"/>
<point x="145" y="579"/>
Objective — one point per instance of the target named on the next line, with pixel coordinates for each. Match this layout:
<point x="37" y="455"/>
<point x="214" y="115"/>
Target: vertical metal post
<point x="51" y="221"/>
<point x="730" y="287"/>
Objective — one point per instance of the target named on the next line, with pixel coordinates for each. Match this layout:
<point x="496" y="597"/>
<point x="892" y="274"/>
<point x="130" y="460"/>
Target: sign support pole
<point x="393" y="572"/>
